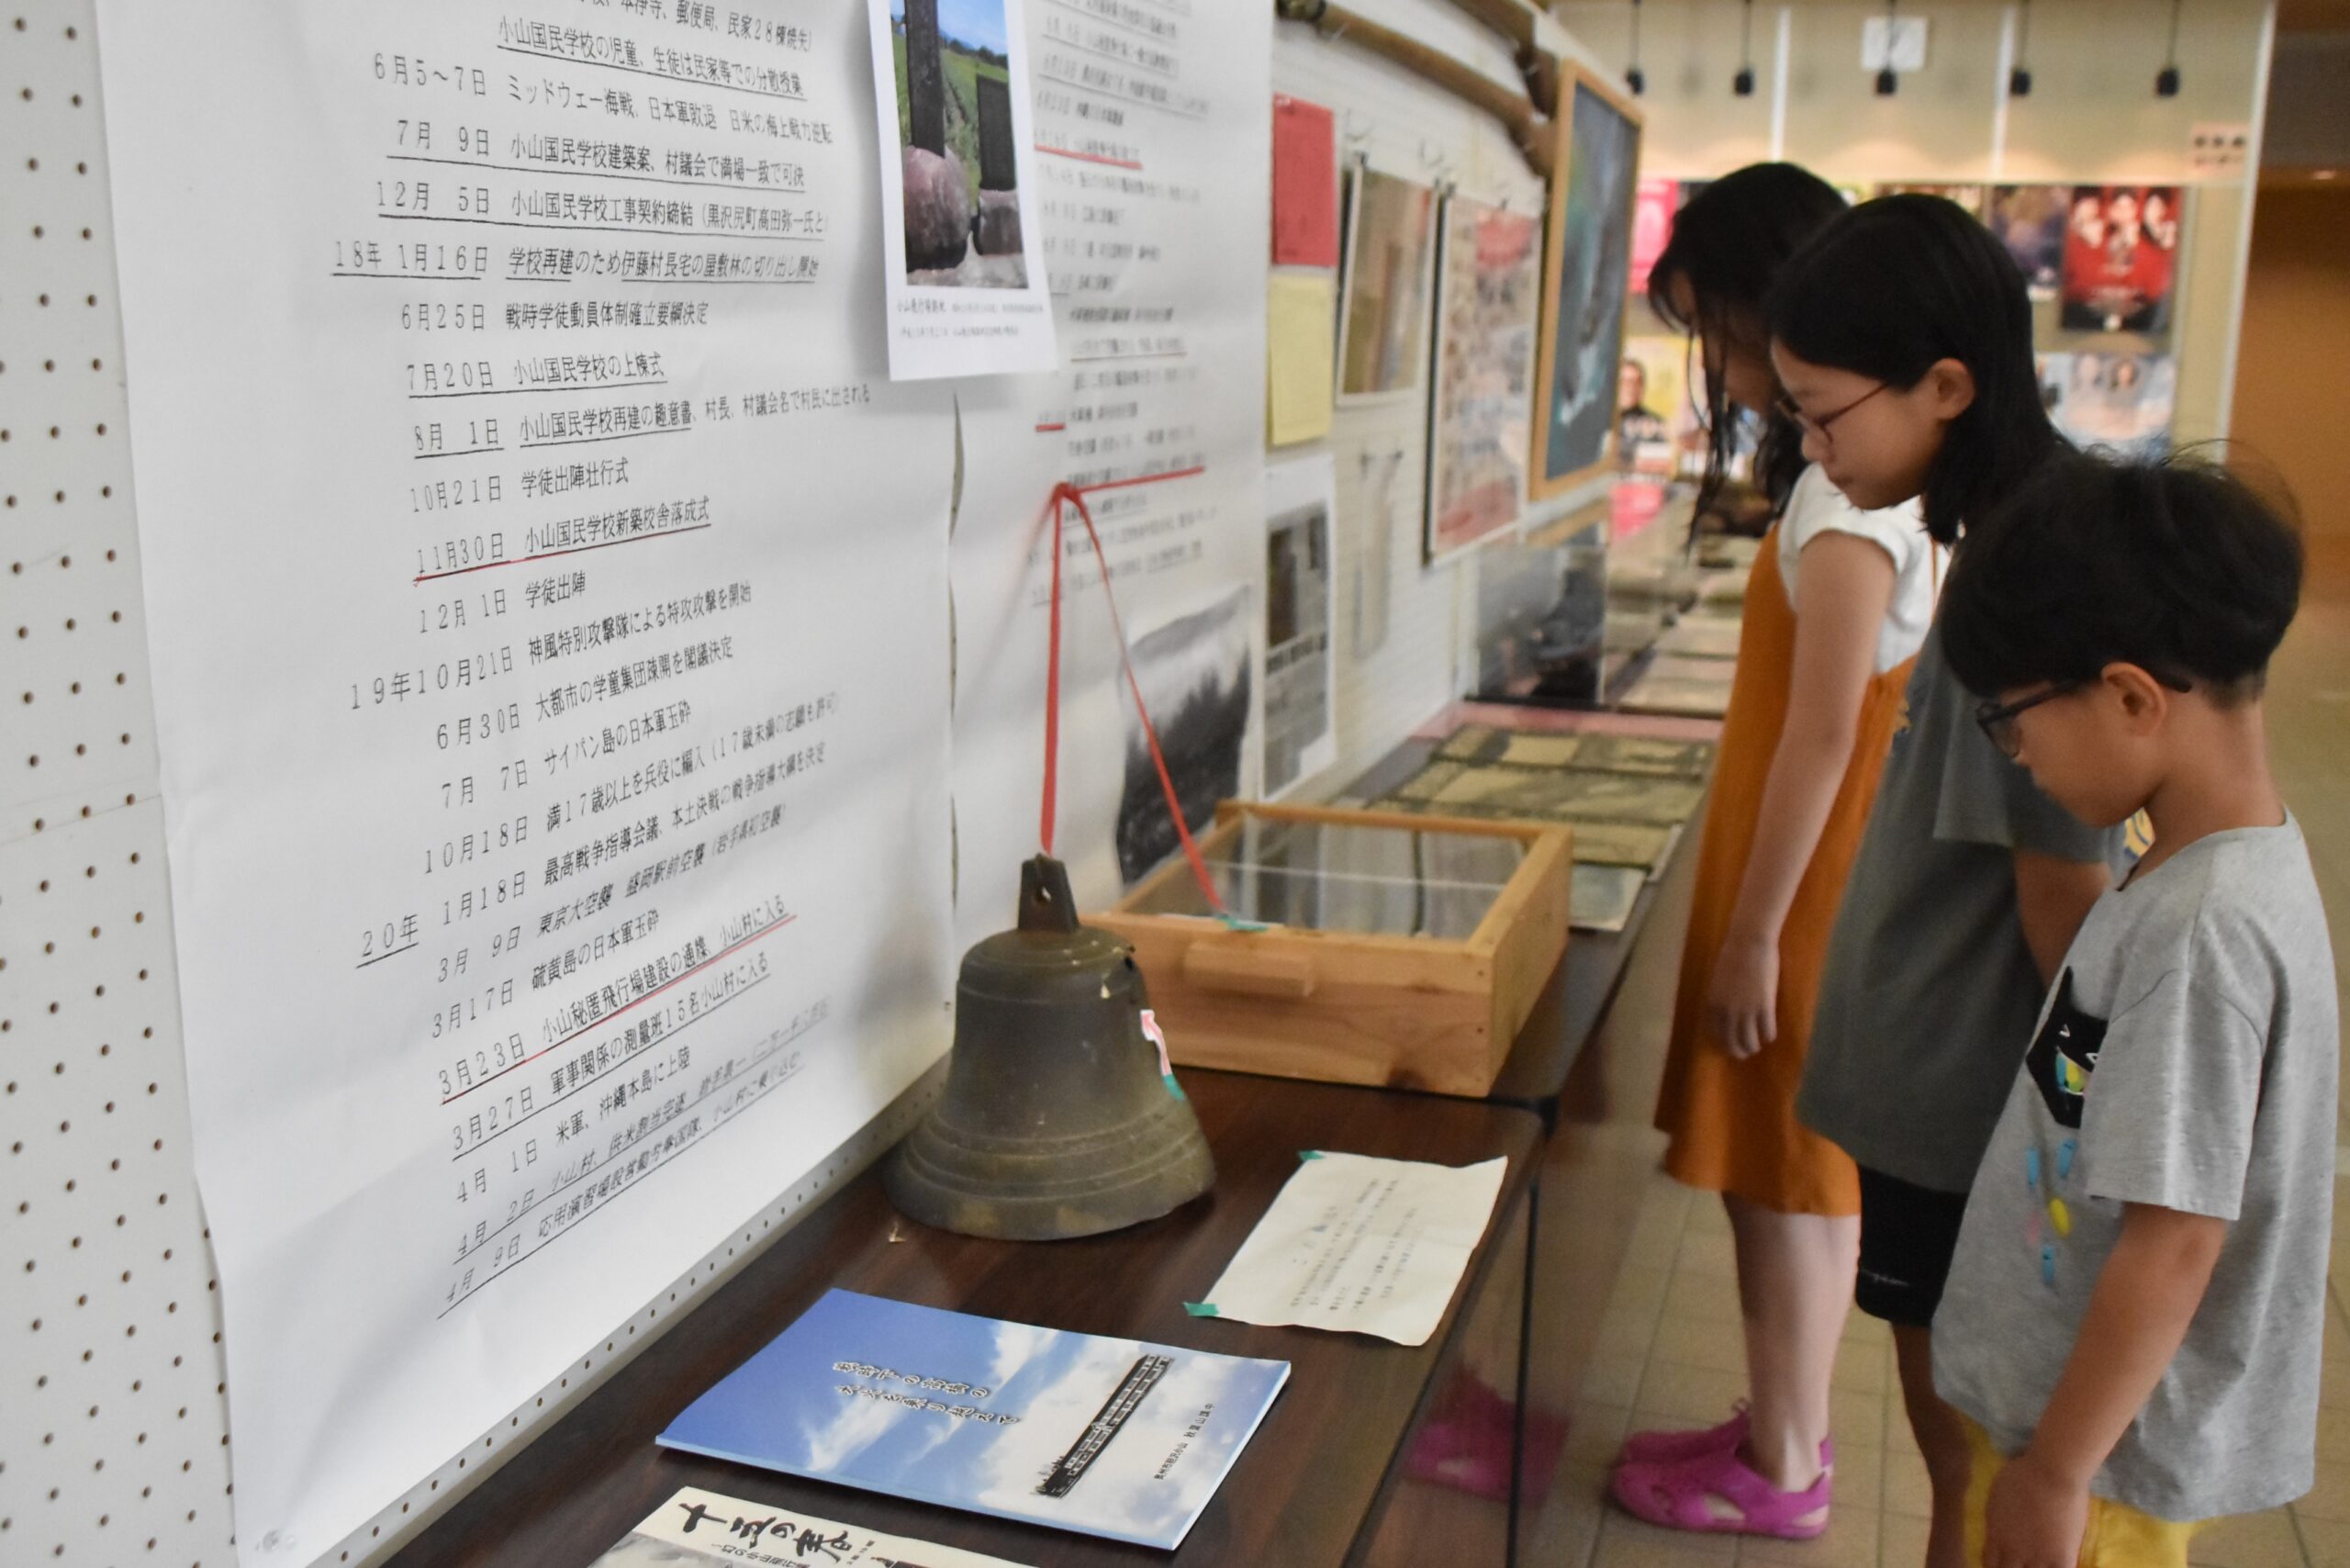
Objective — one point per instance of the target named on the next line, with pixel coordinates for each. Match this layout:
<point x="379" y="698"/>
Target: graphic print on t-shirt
<point x="2062" y="1061"/>
<point x="2065" y="1054"/>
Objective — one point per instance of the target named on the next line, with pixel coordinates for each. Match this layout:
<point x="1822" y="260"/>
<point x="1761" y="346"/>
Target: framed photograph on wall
<point x="1384" y="302"/>
<point x="1586" y="271"/>
<point x="1489" y="281"/>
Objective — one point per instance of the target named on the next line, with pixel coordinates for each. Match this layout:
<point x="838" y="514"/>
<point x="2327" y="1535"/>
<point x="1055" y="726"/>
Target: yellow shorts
<point x="2118" y="1536"/>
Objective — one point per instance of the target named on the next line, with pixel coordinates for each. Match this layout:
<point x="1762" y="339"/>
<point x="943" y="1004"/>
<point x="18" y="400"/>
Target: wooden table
<point x="1326" y="1480"/>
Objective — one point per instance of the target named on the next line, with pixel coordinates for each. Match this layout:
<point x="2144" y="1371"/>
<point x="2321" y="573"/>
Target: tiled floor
<point x="1670" y="1354"/>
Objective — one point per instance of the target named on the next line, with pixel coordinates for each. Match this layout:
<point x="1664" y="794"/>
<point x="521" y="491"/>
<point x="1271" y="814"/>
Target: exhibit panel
<point x="766" y="706"/>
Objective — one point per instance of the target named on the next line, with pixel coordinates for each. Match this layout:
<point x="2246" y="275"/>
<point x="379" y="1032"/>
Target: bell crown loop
<point x="1046" y="902"/>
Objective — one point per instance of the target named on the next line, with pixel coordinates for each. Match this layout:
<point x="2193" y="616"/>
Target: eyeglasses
<point x="1998" y="720"/>
<point x="1819" y="426"/>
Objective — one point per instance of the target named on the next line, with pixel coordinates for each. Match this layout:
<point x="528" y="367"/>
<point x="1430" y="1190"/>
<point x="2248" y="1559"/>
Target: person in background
<point x="2135" y="1322"/>
<point x="1903" y="336"/>
<point x="1635" y="420"/>
<point x="1836" y="606"/>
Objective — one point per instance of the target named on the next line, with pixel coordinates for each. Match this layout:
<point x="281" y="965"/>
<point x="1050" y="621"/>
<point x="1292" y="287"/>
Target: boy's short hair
<point x="2176" y="566"/>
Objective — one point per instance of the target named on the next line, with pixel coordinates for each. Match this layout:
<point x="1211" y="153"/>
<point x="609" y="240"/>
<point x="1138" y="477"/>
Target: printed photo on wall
<point x="1301" y="733"/>
<point x="2122" y="402"/>
<point x="1585" y="272"/>
<point x="1489" y="286"/>
<point x="2030" y="220"/>
<point x="2121" y="258"/>
<point x="963" y="255"/>
<point x="1194" y="674"/>
<point x="1384" y="310"/>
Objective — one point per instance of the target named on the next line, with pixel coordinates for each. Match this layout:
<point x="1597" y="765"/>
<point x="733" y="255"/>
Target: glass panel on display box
<point x="1370" y="880"/>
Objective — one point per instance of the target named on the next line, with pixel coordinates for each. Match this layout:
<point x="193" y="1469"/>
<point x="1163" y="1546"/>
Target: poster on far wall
<point x="1301" y="728"/>
<point x="964" y="257"/>
<point x="2122" y="402"/>
<point x="2031" y="221"/>
<point x="2121" y="258"/>
<point x="1384" y="309"/>
<point x="1968" y="196"/>
<point x="1654" y="203"/>
<point x="1587" y="266"/>
<point x="1489" y="284"/>
<point x="1656" y="208"/>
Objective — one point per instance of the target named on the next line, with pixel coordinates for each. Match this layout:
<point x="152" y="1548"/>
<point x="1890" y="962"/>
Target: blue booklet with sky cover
<point x="1113" y="1438"/>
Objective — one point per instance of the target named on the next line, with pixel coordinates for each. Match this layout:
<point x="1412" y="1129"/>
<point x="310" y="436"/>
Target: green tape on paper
<point x="1309" y="1154"/>
<point x="1200" y="1308"/>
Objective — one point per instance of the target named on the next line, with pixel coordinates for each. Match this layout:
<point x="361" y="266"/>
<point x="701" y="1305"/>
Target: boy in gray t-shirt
<point x="2135" y="1316"/>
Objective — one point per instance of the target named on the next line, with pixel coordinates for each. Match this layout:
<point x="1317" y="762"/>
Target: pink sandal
<point x="1664" y="1447"/>
<point x="1718" y="1494"/>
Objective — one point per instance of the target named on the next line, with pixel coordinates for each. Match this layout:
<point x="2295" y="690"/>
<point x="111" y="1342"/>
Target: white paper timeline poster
<point x="1153" y="134"/>
<point x="548" y="591"/>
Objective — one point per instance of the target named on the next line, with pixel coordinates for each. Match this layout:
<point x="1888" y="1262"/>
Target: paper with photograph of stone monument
<point x="964" y="262"/>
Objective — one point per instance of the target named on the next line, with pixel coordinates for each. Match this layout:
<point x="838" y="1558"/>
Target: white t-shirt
<point x="1818" y="507"/>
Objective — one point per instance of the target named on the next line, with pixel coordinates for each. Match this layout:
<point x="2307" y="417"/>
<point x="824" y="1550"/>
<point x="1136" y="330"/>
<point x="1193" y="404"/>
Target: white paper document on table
<point x="696" y="1526"/>
<point x="1355" y="1243"/>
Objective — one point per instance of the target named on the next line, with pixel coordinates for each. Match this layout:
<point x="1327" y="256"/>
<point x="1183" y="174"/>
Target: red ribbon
<point x="1064" y="494"/>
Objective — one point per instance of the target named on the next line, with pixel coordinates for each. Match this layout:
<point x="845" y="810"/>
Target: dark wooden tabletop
<point x="1303" y="1489"/>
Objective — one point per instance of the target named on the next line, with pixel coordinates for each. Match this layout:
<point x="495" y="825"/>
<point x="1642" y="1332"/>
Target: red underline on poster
<point x="551" y="555"/>
<point x="617" y="1012"/>
<point x="1046" y="429"/>
<point x="1141" y="480"/>
<point x="1091" y="157"/>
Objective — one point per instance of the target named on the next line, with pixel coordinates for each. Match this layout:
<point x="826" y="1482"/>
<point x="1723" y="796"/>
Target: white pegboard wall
<point x="113" y="1446"/>
<point x="113" y="1417"/>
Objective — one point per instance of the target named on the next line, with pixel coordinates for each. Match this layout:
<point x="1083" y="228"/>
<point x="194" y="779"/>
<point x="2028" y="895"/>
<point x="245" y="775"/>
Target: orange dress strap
<point x="1732" y="1123"/>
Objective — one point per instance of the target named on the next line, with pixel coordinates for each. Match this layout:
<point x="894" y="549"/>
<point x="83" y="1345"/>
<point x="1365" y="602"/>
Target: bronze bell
<point x="1056" y="1121"/>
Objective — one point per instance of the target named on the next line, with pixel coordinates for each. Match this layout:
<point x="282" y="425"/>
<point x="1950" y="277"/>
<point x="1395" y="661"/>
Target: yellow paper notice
<point x="1301" y="347"/>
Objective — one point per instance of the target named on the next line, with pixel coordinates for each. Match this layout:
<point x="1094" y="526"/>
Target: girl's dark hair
<point x="2179" y="567"/>
<point x="1728" y="246"/>
<point x="1894" y="285"/>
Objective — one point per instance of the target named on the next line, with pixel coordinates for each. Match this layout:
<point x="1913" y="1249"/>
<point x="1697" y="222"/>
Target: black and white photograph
<point x="1194" y="674"/>
<point x="1301" y="608"/>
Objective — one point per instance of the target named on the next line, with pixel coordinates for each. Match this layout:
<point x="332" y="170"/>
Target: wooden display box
<point x="1409" y="1009"/>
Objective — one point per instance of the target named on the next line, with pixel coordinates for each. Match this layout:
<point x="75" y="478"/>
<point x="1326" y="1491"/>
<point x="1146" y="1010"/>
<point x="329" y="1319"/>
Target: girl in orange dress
<point x="1836" y="607"/>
